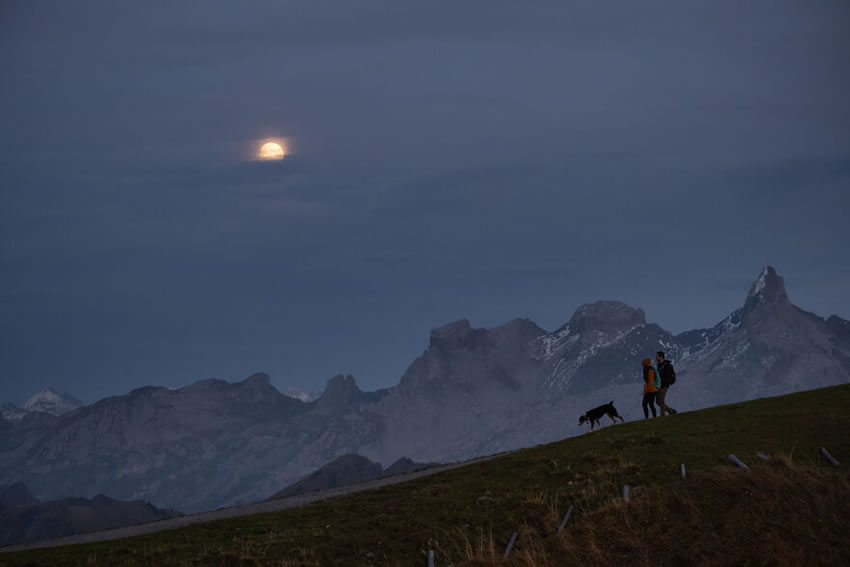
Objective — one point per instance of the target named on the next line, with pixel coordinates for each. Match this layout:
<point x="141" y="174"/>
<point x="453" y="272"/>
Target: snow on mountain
<point x="299" y="394"/>
<point x="45" y="402"/>
<point x="11" y="412"/>
<point x="48" y="401"/>
<point x="574" y="352"/>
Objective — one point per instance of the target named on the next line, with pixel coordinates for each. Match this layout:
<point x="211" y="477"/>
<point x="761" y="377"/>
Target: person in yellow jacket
<point x="650" y="388"/>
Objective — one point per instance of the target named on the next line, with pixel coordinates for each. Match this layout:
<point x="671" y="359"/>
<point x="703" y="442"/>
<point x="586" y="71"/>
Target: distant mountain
<point x="472" y="392"/>
<point x="406" y="466"/>
<point x="46" y="401"/>
<point x="348" y="469"/>
<point x="344" y="470"/>
<point x="23" y="519"/>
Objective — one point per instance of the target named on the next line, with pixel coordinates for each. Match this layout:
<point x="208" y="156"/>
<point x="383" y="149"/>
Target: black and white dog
<point x="596" y="413"/>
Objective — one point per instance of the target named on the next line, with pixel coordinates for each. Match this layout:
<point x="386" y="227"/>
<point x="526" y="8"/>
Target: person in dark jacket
<point x="668" y="376"/>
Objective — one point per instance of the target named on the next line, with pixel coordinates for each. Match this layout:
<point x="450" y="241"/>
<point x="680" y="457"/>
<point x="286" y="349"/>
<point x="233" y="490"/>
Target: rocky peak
<point x="340" y="391"/>
<point x="48" y="401"/>
<point x="606" y="318"/>
<point x="258" y="380"/>
<point x="256" y="388"/>
<point x="768" y="288"/>
<point x="766" y="299"/>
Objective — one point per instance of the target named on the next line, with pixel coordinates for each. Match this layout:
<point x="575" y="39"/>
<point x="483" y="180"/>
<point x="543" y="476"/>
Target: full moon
<point x="271" y="151"/>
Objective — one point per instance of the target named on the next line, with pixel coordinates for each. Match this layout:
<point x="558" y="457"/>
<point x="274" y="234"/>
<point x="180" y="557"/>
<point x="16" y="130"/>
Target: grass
<point x="795" y="504"/>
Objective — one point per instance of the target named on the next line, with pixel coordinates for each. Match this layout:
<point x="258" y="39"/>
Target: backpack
<point x="672" y="376"/>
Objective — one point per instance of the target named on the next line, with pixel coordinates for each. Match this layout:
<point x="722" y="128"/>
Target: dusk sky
<point x="445" y="160"/>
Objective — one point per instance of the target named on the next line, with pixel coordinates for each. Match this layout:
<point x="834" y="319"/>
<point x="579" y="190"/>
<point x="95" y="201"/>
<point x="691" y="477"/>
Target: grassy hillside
<point x="790" y="510"/>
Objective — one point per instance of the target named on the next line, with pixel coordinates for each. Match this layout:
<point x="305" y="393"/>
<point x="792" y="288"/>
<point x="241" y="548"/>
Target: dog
<point x="596" y="413"/>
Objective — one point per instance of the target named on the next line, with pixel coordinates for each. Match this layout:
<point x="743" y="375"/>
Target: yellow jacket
<point x="648" y="376"/>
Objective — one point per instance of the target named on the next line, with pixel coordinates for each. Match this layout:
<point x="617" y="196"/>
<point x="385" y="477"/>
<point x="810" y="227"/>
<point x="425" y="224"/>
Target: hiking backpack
<point x="672" y="373"/>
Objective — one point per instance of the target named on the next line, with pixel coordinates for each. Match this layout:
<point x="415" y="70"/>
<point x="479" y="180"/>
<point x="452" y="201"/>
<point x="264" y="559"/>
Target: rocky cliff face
<point x="472" y="392"/>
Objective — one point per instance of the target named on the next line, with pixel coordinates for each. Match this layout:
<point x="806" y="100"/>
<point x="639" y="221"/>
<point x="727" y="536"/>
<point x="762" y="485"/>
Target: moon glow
<point x="271" y="151"/>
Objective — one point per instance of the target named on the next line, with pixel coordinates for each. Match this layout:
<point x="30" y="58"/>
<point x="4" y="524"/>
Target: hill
<point x="792" y="507"/>
<point x="24" y="519"/>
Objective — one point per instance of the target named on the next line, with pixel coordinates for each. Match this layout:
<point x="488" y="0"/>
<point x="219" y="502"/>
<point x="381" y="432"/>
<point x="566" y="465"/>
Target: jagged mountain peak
<point x="258" y="380"/>
<point x="769" y="287"/>
<point x="48" y="401"/>
<point x="340" y="391"/>
<point x="341" y="383"/>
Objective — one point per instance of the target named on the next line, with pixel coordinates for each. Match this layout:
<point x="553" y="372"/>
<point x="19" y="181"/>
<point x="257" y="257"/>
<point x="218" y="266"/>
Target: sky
<point x="480" y="160"/>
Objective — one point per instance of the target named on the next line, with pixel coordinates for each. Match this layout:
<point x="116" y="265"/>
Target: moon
<point x="271" y="151"/>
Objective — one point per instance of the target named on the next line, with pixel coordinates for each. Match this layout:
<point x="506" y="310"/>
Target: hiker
<point x="650" y="388"/>
<point x="668" y="376"/>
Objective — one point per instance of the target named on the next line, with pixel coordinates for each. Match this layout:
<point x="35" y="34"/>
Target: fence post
<point x="737" y="461"/>
<point x="829" y="457"/>
<point x="627" y="493"/>
<point x="566" y="518"/>
<point x="511" y="544"/>
<point x="684" y="474"/>
<point x="431" y="558"/>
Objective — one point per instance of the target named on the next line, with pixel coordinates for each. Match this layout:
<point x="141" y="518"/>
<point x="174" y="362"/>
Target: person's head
<point x="659" y="356"/>
<point x="647" y="362"/>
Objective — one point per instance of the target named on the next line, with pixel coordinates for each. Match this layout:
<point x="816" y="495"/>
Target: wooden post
<point x="431" y="558"/>
<point x="627" y="493"/>
<point x="511" y="544"/>
<point x="684" y="474"/>
<point x="829" y="457"/>
<point x="737" y="461"/>
<point x="566" y="519"/>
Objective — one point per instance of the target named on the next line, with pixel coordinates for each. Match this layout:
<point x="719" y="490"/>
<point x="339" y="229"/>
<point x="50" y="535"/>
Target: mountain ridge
<point x="471" y="392"/>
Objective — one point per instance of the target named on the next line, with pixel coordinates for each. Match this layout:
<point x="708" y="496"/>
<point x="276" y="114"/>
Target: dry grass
<point x="776" y="513"/>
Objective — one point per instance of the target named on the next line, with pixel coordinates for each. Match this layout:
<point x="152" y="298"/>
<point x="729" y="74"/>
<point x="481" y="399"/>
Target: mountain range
<point x="472" y="392"/>
<point x="23" y="519"/>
